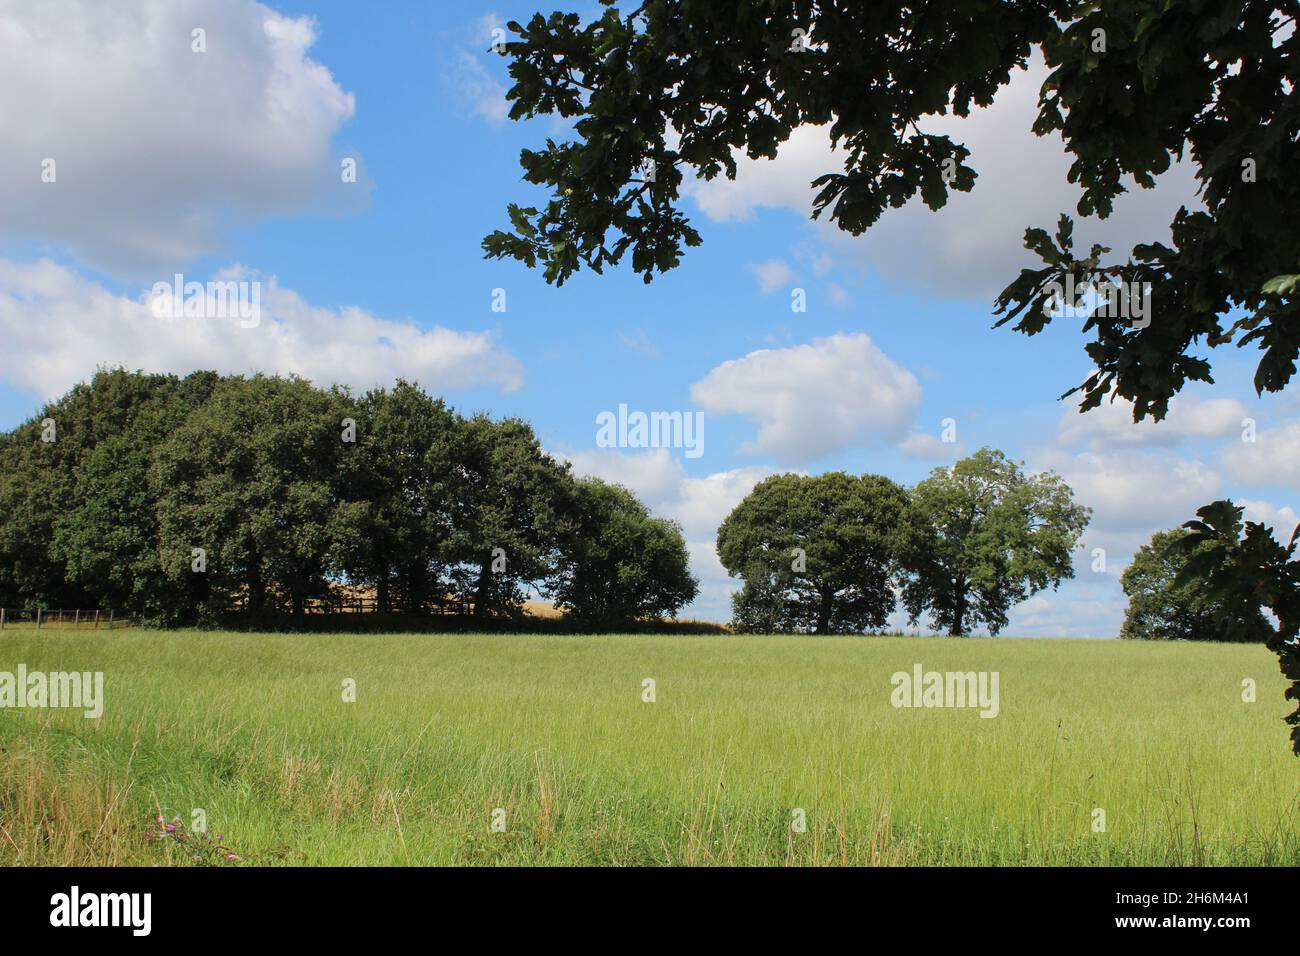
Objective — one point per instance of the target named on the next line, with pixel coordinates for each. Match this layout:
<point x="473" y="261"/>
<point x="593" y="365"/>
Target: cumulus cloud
<point x="973" y="246"/>
<point x="58" y="326"/>
<point x="1133" y="494"/>
<point x="699" y="505"/>
<point x="812" y="400"/>
<point x="1138" y="484"/>
<point x="658" y="479"/>
<point x="1111" y="425"/>
<point x="1272" y="459"/>
<point x="780" y="183"/>
<point x="654" y="476"/>
<point x="156" y="147"/>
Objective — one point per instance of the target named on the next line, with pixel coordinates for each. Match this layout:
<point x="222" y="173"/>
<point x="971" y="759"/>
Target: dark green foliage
<point x="726" y="76"/>
<point x="981" y="536"/>
<point x="397" y="493"/>
<point x="1161" y="607"/>
<point x="1243" y="569"/>
<point x="75" y="528"/>
<point x="1169" y="85"/>
<point x="827" y="554"/>
<point x="511" y="512"/>
<point x="816" y="553"/>
<point x="181" y="499"/>
<point x="252" y="479"/>
<point x="619" y="564"/>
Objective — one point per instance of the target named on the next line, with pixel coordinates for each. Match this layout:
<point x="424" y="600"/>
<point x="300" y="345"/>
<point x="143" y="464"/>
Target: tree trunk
<point x="255" y="597"/>
<point x="824" y="613"/>
<point x="482" y="590"/>
<point x="959" y="611"/>
<point x="958" y="617"/>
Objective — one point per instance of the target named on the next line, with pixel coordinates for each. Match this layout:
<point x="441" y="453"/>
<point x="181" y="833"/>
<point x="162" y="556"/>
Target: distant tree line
<point x="837" y="553"/>
<point x="180" y="498"/>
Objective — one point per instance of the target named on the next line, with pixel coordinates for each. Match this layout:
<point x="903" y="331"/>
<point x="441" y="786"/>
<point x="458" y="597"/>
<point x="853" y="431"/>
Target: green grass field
<point x="252" y="729"/>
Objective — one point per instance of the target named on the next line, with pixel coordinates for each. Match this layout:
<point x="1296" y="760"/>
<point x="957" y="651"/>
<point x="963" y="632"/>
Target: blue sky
<point x="226" y="162"/>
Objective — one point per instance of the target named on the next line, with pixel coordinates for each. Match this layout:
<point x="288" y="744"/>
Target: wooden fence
<point x="55" y="617"/>
<point x="348" y="604"/>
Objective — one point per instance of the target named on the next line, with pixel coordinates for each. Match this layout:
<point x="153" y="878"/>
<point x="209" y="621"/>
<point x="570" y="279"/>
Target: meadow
<point x="483" y="749"/>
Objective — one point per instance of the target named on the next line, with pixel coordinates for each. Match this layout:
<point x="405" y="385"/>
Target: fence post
<point x="97" y="619"/>
<point x="2" y="619"/>
<point x="38" y="619"/>
<point x="110" y="618"/>
<point x="76" y="621"/>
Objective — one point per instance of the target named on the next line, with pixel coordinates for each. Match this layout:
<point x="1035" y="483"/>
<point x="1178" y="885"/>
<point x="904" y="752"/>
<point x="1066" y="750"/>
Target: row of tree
<point x="182" y="498"/>
<point x="839" y="553"/>
<point x="178" y="499"/>
<point x="835" y="553"/>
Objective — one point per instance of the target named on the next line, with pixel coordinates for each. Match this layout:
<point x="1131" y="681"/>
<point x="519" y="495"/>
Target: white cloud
<point x="973" y="246"/>
<point x="928" y="447"/>
<point x="698" y="504"/>
<point x="1088" y="606"/>
<point x="1133" y="494"/>
<point x="1111" y="425"/>
<point x="779" y="183"/>
<point x="157" y="147"/>
<point x="654" y="476"/>
<point x="659" y="479"/>
<point x="813" y="400"/>
<point x="1272" y="459"/>
<point x="772" y="275"/>
<point x="1137" y="491"/>
<point x="59" y="326"/>
<point x="703" y="503"/>
<point x="485" y="95"/>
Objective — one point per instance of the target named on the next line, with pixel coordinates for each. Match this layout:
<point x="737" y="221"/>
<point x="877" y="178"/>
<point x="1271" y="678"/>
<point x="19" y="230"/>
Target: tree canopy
<point x="184" y="500"/>
<point x="1163" y="608"/>
<point x="830" y="554"/>
<point x="816" y="554"/>
<point x="1241" y="566"/>
<point x="621" y="563"/>
<point x="982" y="536"/>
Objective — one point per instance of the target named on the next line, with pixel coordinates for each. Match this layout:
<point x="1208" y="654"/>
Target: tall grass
<point x="445" y="730"/>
